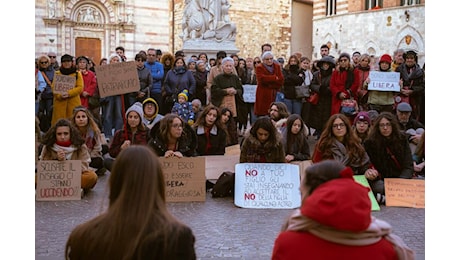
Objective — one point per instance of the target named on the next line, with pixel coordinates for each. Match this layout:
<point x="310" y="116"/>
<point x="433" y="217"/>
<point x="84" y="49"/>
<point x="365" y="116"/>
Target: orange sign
<point x="405" y="192"/>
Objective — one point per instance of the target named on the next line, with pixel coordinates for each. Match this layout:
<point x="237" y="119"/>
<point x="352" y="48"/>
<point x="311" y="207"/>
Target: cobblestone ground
<point x="222" y="230"/>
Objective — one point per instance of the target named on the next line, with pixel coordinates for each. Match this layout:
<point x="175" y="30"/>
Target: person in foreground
<point x="314" y="231"/>
<point x="137" y="223"/>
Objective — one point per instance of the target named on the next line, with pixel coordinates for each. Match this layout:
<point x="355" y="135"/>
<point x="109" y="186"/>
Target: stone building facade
<point x="96" y="27"/>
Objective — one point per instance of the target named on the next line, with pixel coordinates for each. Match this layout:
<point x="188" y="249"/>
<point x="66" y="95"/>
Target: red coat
<point x="338" y="205"/>
<point x="89" y="85"/>
<point x="292" y="245"/>
<point x="337" y="86"/>
<point x="267" y="86"/>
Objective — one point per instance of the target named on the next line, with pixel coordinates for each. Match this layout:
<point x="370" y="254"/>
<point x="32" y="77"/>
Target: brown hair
<point x="137" y="217"/>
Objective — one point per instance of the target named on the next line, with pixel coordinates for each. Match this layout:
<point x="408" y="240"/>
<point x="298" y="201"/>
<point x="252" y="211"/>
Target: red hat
<point x="385" y="58"/>
<point x="340" y="203"/>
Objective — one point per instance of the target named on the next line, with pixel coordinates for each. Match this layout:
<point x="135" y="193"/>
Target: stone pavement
<point x="222" y="230"/>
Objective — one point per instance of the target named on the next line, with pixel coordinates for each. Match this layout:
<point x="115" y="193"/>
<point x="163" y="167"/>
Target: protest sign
<point x="58" y="180"/>
<point x="361" y="179"/>
<point x="384" y="81"/>
<point x="63" y="83"/>
<point x="229" y="102"/>
<point x="249" y="93"/>
<point x="117" y="78"/>
<point x="184" y="178"/>
<point x="267" y="185"/>
<point x="405" y="192"/>
<point x="217" y="164"/>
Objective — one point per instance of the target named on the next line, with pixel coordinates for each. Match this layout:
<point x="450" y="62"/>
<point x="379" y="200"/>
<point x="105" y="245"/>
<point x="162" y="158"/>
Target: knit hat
<point x="190" y="60"/>
<point x="184" y="93"/>
<point x="179" y="53"/>
<point x="344" y="54"/>
<point x="385" y="58"/>
<point x="362" y="116"/>
<point x="404" y="107"/>
<point x="136" y="107"/>
<point x="151" y="100"/>
<point x="340" y="203"/>
<point x="66" y="57"/>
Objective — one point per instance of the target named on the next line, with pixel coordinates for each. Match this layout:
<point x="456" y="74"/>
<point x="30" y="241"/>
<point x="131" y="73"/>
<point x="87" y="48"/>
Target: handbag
<point x="349" y="106"/>
<point x="313" y="98"/>
<point x="302" y="91"/>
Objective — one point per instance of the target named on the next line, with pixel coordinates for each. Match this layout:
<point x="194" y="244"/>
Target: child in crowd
<point x="184" y="108"/>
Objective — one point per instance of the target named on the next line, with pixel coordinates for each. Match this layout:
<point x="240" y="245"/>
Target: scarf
<point x="67" y="149"/>
<point x="270" y="69"/>
<point x="377" y="230"/>
<point x="67" y="71"/>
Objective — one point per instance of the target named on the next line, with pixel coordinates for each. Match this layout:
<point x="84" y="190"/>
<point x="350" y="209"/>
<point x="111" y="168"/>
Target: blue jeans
<point x="294" y="106"/>
<point x="112" y="116"/>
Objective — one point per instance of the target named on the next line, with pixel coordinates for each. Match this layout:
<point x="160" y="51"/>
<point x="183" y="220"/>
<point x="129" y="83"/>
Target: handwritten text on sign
<point x="384" y="81"/>
<point x="58" y="180"/>
<point x="249" y="93"/>
<point x="405" y="192"/>
<point x="63" y="83"/>
<point x="117" y="78"/>
<point x="184" y="178"/>
<point x="267" y="185"/>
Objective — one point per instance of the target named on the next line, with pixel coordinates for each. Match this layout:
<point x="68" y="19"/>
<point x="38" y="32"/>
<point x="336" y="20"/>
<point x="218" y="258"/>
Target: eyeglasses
<point x="43" y="62"/>
<point x="52" y="57"/>
<point x="341" y="125"/>
<point x="383" y="125"/>
<point x="151" y="55"/>
<point x="343" y="60"/>
<point x="268" y="59"/>
<point x="177" y="125"/>
<point x="257" y="62"/>
<point x="139" y="60"/>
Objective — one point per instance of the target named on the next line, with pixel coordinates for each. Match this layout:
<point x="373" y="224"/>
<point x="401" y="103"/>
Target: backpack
<point x="224" y="186"/>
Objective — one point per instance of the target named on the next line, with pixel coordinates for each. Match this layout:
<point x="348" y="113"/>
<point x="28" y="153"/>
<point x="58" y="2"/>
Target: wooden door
<point x="89" y="47"/>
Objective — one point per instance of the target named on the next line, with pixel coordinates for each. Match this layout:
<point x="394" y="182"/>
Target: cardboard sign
<point x="217" y="164"/>
<point x="249" y="93"/>
<point x="117" y="78"/>
<point x="267" y="185"/>
<point x="233" y="150"/>
<point x="63" y="83"/>
<point x="184" y="178"/>
<point x="58" y="180"/>
<point x="384" y="81"/>
<point x="405" y="192"/>
<point x="361" y="179"/>
<point x="229" y="102"/>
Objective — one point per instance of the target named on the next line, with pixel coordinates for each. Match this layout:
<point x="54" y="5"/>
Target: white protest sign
<point x="249" y="93"/>
<point x="267" y="185"/>
<point x="384" y="81"/>
<point x="58" y="180"/>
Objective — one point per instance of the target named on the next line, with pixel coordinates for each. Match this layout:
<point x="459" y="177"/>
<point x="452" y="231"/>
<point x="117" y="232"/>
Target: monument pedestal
<point x="210" y="47"/>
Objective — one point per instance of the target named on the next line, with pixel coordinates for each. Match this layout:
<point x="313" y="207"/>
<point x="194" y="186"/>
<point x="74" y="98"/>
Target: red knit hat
<point x="385" y="58"/>
<point x="340" y="203"/>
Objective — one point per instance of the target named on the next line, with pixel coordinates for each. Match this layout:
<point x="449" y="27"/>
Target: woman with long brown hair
<point x="137" y="223"/>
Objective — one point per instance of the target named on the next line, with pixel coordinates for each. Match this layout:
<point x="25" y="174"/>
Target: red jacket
<point x="89" y="85"/>
<point x="339" y="204"/>
<point x="267" y="86"/>
<point x="337" y="86"/>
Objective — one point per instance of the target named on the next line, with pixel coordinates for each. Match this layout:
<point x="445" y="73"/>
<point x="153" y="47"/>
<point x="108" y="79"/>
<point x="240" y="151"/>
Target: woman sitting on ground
<point x="262" y="143"/>
<point x="64" y="142"/>
<point x="295" y="139"/>
<point x="172" y="137"/>
<point x="83" y="120"/>
<point x="340" y="143"/>
<point x="211" y="134"/>
<point x="137" y="223"/>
